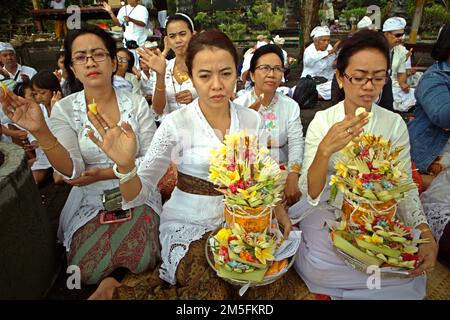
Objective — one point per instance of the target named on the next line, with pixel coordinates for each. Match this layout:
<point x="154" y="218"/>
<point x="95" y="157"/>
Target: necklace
<point x="182" y="76"/>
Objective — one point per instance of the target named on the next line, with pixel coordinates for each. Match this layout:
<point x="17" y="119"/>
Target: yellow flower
<point x="376" y="239"/>
<point x="333" y="180"/>
<point x="214" y="174"/>
<point x="223" y="150"/>
<point x="264" y="254"/>
<point x="233" y="175"/>
<point x="223" y="235"/>
<point x="341" y="169"/>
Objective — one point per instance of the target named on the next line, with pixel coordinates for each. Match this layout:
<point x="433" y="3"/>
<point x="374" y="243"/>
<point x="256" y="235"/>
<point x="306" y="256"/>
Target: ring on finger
<point x="349" y="130"/>
<point x="106" y="128"/>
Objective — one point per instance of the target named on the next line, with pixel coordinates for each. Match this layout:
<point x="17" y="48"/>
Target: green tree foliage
<point x="259" y="19"/>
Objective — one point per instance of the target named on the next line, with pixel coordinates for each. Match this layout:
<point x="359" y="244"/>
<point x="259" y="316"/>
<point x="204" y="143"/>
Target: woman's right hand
<point x="107" y="7"/>
<point x="341" y="133"/>
<point x="23" y="112"/>
<point x="117" y="142"/>
<point x="155" y="60"/>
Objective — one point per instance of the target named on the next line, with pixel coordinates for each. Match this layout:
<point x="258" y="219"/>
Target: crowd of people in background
<point x="131" y="120"/>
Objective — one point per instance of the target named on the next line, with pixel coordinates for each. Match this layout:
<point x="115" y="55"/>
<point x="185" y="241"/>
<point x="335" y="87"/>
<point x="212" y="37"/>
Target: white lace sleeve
<point x="156" y="162"/>
<point x="314" y="135"/>
<point x="146" y="129"/>
<point x="295" y="138"/>
<point x="410" y="209"/>
<point x="68" y="137"/>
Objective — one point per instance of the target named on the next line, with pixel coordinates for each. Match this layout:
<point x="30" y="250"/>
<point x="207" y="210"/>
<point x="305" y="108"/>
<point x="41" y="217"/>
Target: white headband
<point x="5" y="46"/>
<point x="320" y="32"/>
<point x="183" y="15"/>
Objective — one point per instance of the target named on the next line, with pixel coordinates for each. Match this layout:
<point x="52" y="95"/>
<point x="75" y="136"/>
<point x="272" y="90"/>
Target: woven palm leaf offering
<point x="372" y="180"/>
<point x="244" y="249"/>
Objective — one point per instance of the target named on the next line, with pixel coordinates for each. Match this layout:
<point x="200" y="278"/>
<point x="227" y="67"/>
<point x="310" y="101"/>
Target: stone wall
<point x="28" y="263"/>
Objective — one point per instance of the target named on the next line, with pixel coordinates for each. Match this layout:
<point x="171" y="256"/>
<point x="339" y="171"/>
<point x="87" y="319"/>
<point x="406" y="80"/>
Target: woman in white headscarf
<point x="318" y="60"/>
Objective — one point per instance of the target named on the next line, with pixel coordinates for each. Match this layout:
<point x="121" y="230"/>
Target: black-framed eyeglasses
<point x="361" y="81"/>
<point x="265" y="69"/>
<point x="398" y="35"/>
<point x="98" y="56"/>
<point x="123" y="59"/>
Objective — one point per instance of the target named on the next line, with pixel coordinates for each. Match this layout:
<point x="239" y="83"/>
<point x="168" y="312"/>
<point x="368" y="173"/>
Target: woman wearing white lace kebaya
<point x="362" y="66"/>
<point x="174" y="88"/>
<point x="280" y="114"/>
<point x="195" y="208"/>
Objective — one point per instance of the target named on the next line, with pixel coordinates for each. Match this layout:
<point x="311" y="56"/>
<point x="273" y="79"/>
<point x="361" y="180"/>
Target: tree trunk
<point x="416" y="21"/>
<point x="186" y="6"/>
<point x="309" y="19"/>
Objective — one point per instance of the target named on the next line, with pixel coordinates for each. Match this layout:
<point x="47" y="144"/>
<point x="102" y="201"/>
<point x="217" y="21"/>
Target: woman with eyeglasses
<point x="362" y="66"/>
<point x="174" y="88"/>
<point x="196" y="207"/>
<point x="280" y="114"/>
<point x="124" y="77"/>
<point x="403" y="94"/>
<point x="96" y="247"/>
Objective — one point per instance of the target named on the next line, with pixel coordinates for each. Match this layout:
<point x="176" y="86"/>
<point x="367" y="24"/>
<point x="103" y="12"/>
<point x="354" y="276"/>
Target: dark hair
<point x="131" y="61"/>
<point x="74" y="85"/>
<point x="45" y="79"/>
<point x="61" y="54"/>
<point x="211" y="38"/>
<point x="268" y="48"/>
<point x="181" y="17"/>
<point x="20" y="87"/>
<point x="361" y="40"/>
<point x="441" y="49"/>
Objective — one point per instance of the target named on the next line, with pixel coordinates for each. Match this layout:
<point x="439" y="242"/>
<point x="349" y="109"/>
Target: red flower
<point x="241" y="185"/>
<point x="233" y="188"/>
<point x="282" y="167"/>
<point x="223" y="251"/>
<point x="371" y="176"/>
<point x="411" y="257"/>
<point x="231" y="167"/>
<point x="363" y="153"/>
<point x="371" y="167"/>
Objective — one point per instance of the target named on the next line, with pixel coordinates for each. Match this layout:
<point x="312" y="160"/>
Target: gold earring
<point x="340" y="85"/>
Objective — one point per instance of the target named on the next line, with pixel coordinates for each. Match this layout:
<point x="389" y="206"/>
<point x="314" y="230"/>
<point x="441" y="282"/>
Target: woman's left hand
<point x="427" y="256"/>
<point x="87" y="177"/>
<point x="283" y="219"/>
<point x="291" y="192"/>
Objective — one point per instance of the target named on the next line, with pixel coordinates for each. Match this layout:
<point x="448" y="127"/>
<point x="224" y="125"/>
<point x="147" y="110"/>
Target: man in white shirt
<point x="60" y="25"/>
<point x="16" y="72"/>
<point x="133" y="18"/>
<point x="394" y="31"/>
<point x="318" y="61"/>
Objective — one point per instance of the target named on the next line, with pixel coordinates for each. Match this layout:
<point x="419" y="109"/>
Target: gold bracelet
<point x="296" y="167"/>
<point x="160" y="89"/>
<point x="51" y="147"/>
